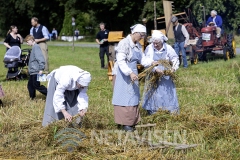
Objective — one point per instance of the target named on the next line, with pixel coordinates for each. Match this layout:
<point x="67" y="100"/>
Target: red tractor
<point x="203" y="40"/>
<point x="206" y="41"/>
<point x="209" y="43"/>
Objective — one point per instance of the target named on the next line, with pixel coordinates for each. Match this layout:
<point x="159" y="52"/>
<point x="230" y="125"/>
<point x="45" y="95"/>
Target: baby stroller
<point x="15" y="61"/>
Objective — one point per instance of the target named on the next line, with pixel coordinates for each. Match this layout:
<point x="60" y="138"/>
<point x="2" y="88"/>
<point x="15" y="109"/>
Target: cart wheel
<point x="226" y="54"/>
<point x="234" y="48"/>
<point x="194" y="59"/>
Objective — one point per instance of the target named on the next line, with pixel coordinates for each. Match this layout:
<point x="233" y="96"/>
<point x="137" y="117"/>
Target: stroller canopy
<point x="12" y="54"/>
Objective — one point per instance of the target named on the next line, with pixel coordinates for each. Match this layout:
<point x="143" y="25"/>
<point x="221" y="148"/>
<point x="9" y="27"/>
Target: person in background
<point x="76" y="33"/>
<point x="40" y="34"/>
<point x="13" y="38"/>
<point x="181" y="39"/>
<point x="67" y="94"/>
<point x="102" y="40"/>
<point x="165" y="95"/>
<point x="36" y="66"/>
<point x="126" y="92"/>
<point x="54" y="34"/>
<point x="216" y="20"/>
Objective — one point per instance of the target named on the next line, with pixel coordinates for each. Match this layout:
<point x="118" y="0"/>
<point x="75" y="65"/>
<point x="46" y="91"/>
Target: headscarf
<point x="84" y="79"/>
<point x="214" y="12"/>
<point x="138" y="28"/>
<point x="158" y="36"/>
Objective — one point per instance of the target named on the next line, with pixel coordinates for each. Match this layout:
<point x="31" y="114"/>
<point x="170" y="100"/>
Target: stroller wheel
<point x="1" y="103"/>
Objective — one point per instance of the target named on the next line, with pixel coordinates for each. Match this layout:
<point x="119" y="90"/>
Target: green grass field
<point x="209" y="114"/>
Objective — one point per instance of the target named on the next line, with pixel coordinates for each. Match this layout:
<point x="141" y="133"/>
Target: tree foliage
<point x="227" y="9"/>
<point x="20" y="12"/>
<point x="117" y="14"/>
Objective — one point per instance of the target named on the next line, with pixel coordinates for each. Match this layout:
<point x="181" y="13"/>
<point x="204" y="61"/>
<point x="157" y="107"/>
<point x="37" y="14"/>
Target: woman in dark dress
<point x="13" y="38"/>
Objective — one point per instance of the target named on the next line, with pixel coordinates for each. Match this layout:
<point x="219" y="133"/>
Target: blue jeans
<point x="179" y="46"/>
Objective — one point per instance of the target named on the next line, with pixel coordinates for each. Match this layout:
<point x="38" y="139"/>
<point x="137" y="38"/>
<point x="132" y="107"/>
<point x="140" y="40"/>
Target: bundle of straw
<point x="151" y="78"/>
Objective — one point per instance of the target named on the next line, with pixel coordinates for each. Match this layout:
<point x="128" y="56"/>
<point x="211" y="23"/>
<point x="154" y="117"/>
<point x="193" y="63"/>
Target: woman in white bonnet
<point x="126" y="93"/>
<point x="67" y="94"/>
<point x="165" y="96"/>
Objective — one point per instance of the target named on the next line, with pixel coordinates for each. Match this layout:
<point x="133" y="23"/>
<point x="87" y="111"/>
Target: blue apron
<point x="165" y="96"/>
<point x="126" y="92"/>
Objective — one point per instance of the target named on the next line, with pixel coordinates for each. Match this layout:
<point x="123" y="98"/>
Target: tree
<point x="20" y="12"/>
<point x="228" y="9"/>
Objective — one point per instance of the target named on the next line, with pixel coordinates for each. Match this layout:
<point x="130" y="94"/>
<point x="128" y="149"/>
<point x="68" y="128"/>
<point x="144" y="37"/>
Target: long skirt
<point x="164" y="97"/>
<point x="70" y="102"/>
<point x="126" y="115"/>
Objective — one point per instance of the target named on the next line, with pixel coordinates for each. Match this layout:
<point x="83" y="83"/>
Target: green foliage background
<point x="117" y="14"/>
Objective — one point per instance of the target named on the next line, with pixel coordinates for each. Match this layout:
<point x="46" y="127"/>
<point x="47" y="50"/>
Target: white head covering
<point x="158" y="36"/>
<point x="84" y="79"/>
<point x="214" y="12"/>
<point x="138" y="28"/>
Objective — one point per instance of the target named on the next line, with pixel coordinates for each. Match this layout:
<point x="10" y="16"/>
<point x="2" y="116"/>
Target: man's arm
<point x="208" y="21"/>
<point x="97" y="41"/>
<point x="45" y="34"/>
<point x="97" y="38"/>
<point x="219" y="21"/>
<point x="186" y="35"/>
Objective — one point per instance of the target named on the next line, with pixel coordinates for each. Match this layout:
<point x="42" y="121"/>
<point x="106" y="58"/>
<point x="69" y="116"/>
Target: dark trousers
<point x="34" y="85"/>
<point x="103" y="51"/>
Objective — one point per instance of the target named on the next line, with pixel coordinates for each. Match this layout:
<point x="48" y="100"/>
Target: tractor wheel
<point x="229" y="40"/>
<point x="226" y="53"/>
<point x="231" y="45"/>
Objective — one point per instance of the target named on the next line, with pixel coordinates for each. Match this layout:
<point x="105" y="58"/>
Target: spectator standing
<point x="13" y="38"/>
<point x="40" y="34"/>
<point x="181" y="39"/>
<point x="102" y="40"/>
<point x="76" y="33"/>
<point x="54" y="34"/>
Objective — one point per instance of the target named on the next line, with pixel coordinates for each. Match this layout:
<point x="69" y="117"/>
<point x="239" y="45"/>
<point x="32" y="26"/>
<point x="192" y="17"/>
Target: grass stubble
<point x="208" y="95"/>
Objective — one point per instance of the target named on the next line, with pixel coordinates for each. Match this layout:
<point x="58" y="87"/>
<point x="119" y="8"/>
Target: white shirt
<point x="64" y="76"/>
<point x="124" y="54"/>
<point x="171" y="54"/>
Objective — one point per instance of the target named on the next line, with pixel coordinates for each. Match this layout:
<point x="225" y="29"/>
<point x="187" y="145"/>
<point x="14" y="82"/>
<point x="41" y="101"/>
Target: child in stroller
<point x="15" y="61"/>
